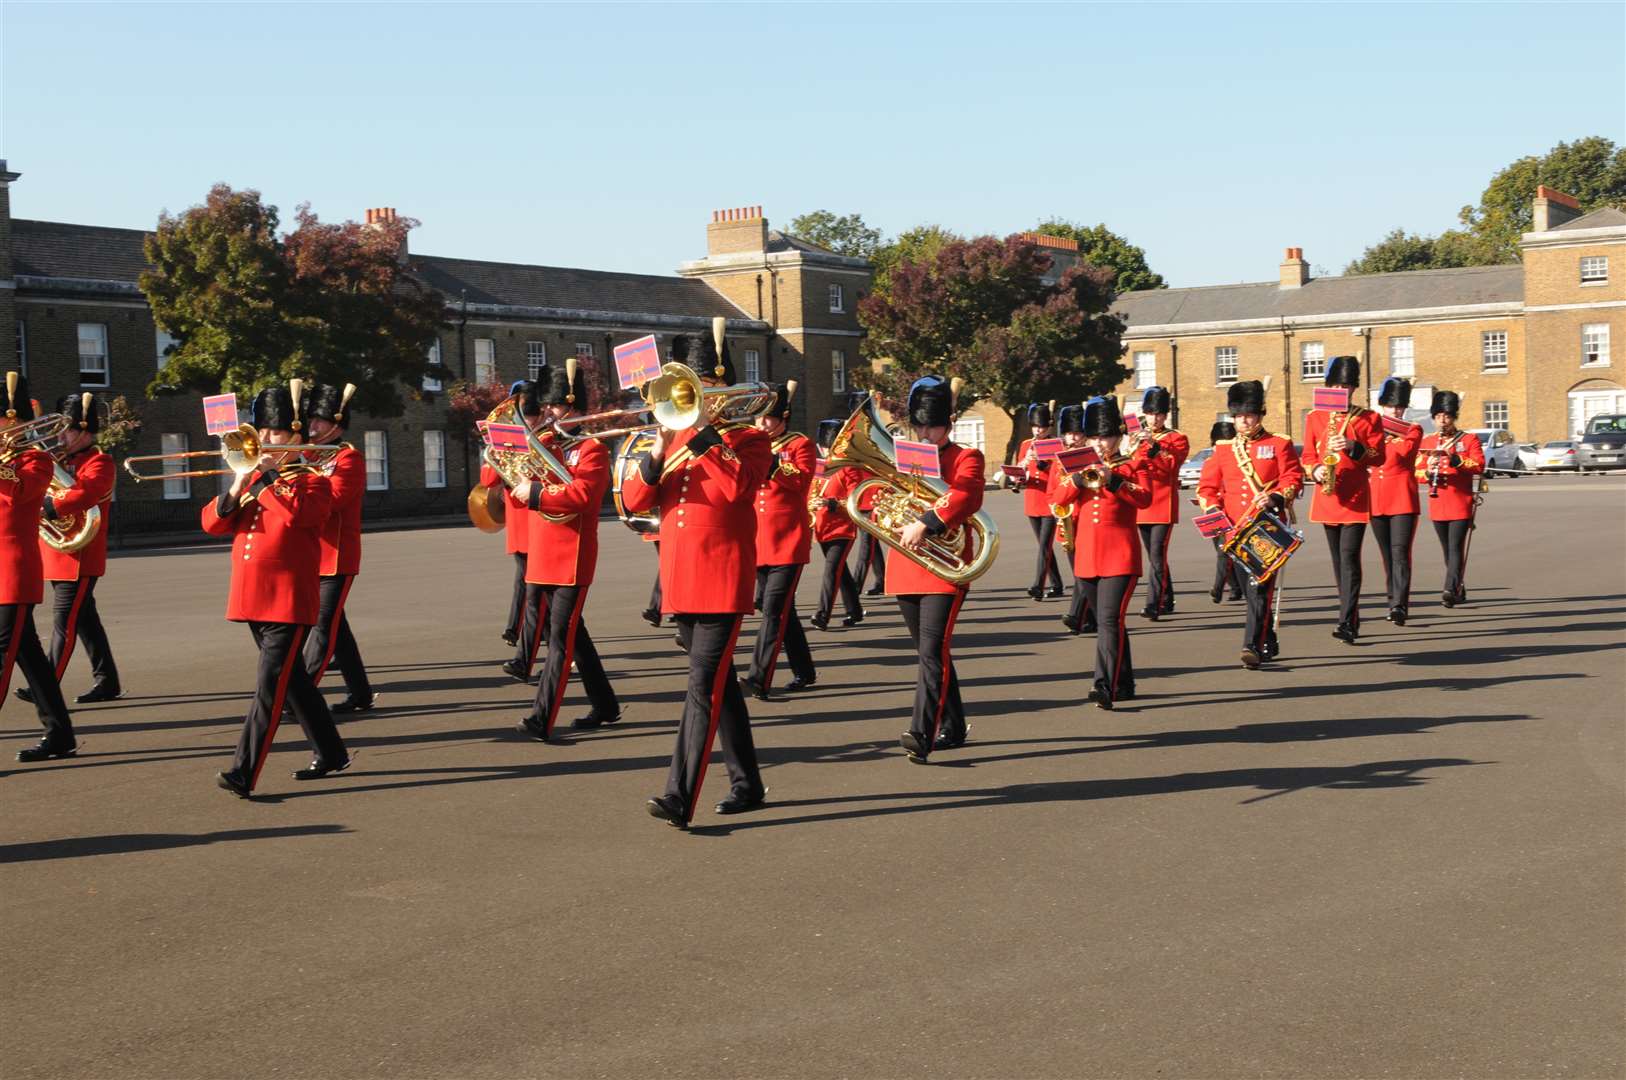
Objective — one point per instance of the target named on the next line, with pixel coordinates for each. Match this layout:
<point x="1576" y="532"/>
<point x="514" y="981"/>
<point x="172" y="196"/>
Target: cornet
<point x="241" y="450"/>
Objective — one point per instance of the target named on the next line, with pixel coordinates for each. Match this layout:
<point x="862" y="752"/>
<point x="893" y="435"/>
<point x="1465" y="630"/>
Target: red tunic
<point x="784" y="533"/>
<point x="1351" y="499"/>
<point x="1163" y="476"/>
<point x="708" y="522"/>
<point x="276" y="556"/>
<point x="1394" y="488"/>
<point x="23" y="481"/>
<point x="1035" y="501"/>
<point x="1107" y="543"/>
<point x="1455" y="501"/>
<point x="834" y="524"/>
<point x="93" y="474"/>
<point x="566" y="552"/>
<point x="341" y="535"/>
<point x="962" y="469"/>
<point x="517" y="519"/>
<point x="1224" y="483"/>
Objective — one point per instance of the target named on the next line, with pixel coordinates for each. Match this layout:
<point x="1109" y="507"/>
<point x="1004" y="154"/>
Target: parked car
<point x="1603" y="446"/>
<point x="1529" y="456"/>
<point x="1192" y="470"/>
<point x="1501" y="451"/>
<point x="1557" y="455"/>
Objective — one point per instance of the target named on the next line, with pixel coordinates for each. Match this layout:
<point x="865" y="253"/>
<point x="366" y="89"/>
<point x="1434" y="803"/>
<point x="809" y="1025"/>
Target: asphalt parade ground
<point x="1403" y="858"/>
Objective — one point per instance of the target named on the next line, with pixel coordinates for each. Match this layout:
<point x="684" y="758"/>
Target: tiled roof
<point x="1598" y="219"/>
<point x="517" y="285"/>
<point x="1324" y="296"/>
<point x="55" y="249"/>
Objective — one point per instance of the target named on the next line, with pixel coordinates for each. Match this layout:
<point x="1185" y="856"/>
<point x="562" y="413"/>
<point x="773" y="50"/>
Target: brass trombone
<point x="676" y="400"/>
<point x="241" y="450"/>
<point x="41" y="433"/>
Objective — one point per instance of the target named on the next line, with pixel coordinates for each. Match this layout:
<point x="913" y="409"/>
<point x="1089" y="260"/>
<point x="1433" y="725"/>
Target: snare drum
<point x="1262" y="545"/>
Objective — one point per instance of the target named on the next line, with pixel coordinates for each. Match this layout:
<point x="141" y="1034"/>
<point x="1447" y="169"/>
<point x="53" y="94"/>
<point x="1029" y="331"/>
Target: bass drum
<point x="627" y="456"/>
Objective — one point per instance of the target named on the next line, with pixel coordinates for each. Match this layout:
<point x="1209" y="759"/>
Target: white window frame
<point x="584" y="350"/>
<point x="1594" y="269"/>
<point x="1312" y="353"/>
<point x="536" y="359"/>
<point x="1493" y="422"/>
<point x="838" y="299"/>
<point x="176" y="443"/>
<point x="1493" y="345"/>
<point x="1403" y="358"/>
<point x="22" y="345"/>
<point x="1145" y="369"/>
<point x="430" y="383"/>
<point x="752" y="369"/>
<point x="105" y="371"/>
<point x="434" y="452"/>
<point x="1226" y="356"/>
<point x="163" y="342"/>
<point x="970" y="431"/>
<point x="838" y="371"/>
<point x="1597" y="347"/>
<point x="488" y="362"/>
<point x="376" y="449"/>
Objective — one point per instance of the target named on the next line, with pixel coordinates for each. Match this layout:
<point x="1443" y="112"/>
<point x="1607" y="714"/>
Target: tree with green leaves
<point x="922" y="242"/>
<point x="250" y="308"/>
<point x="1401" y="250"/>
<point x="981" y="309"/>
<point x="1100" y="246"/>
<point x="845" y="235"/>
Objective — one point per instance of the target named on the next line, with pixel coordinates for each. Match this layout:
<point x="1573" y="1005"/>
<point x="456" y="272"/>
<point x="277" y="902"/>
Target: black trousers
<point x="655" y="592"/>
<point x="1159" y="582"/>
<point x="938" y="708"/>
<point x="516" y="604"/>
<point x="713" y="707"/>
<point x="331" y="642"/>
<point x="871" y="555"/>
<point x="781" y="626"/>
<point x="74" y="616"/>
<point x="20" y="647"/>
<point x="533" y="629"/>
<point x="282" y="678"/>
<point x="1045" y="571"/>
<point x="559" y="609"/>
<point x="836" y="576"/>
<point x="1259" y="634"/>
<point x="1114" y="662"/>
<point x="1227" y="572"/>
<point x="1395" y="534"/>
<point x="1344" y="544"/>
<point x="1454" y="543"/>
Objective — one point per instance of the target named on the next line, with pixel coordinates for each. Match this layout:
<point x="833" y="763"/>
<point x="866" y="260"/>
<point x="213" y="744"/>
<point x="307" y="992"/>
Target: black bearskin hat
<point x="931" y="402"/>
<point x="1447" y="402"/>
<point x="1395" y="392"/>
<point x="1156" y="400"/>
<point x="529" y="395"/>
<point x="1246" y="397"/>
<point x="703" y="358"/>
<point x="82" y="410"/>
<point x="326" y="402"/>
<point x="15" y="404"/>
<point x="827" y="432"/>
<point x="1222" y="429"/>
<point x="680" y="348"/>
<point x="565" y="385"/>
<point x="274" y="409"/>
<point x="1069" y="418"/>
<point x="1343" y="371"/>
<point x="1101" y="417"/>
<point x="782" y="395"/>
<point x="1039" y="415"/>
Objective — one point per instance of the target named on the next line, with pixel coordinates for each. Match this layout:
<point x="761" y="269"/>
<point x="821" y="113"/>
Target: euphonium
<point x="864" y="443"/>
<point x="68" y="533"/>
<point x="535" y="462"/>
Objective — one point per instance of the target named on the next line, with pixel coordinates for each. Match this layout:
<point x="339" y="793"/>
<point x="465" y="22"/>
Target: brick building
<point x="81" y="322"/>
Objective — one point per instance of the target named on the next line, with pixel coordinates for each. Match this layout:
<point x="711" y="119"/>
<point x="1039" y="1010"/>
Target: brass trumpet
<point x="241" y="449"/>
<point x="1094" y="475"/>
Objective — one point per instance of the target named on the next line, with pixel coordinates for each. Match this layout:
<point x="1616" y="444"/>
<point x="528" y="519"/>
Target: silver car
<point x="1603" y="445"/>
<point x="1501" y="451"/>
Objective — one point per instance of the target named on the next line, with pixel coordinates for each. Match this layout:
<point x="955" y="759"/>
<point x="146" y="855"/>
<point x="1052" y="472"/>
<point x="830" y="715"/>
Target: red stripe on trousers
<point x="276" y="705"/>
<point x="72" y="628"/>
<point x="570" y="648"/>
<point x="947" y="664"/>
<point x="333" y="629"/>
<point x="1123" y="633"/>
<point x="24" y="611"/>
<point x="725" y="671"/>
<point x="784" y="624"/>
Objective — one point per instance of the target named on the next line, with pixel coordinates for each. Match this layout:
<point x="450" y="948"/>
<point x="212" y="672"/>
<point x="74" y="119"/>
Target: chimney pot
<point x="1295" y="272"/>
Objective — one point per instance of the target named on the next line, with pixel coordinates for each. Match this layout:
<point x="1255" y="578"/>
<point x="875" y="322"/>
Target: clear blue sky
<point x="602" y="136"/>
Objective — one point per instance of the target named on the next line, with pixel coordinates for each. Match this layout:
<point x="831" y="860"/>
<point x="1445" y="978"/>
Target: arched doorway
<point x="1592" y="398"/>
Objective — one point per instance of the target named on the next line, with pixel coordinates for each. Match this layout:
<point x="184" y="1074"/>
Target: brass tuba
<point x="864" y="443"/>
<point x="536" y="462"/>
<point x="66" y="533"/>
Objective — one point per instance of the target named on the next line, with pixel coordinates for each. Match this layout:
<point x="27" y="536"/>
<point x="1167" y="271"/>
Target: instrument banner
<point x="1046" y="449"/>
<point x="1077" y="458"/>
<point x="220" y="413"/>
<point x="1331" y="398"/>
<point x="1213" y="523"/>
<point x="506" y="437"/>
<point x="637" y="361"/>
<point x="1398" y="428"/>
<point x="1132" y="422"/>
<point x="1014" y="473"/>
<point x="917" y="458"/>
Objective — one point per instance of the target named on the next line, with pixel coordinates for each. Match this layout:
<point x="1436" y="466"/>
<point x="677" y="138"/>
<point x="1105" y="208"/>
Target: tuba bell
<point x="865" y="444"/>
<point x="66" y="533"/>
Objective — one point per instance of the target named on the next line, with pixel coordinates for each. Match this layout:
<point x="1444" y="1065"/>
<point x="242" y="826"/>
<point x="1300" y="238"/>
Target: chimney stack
<point x="381" y="216"/>
<point x="738" y="230"/>
<point x="1552" y="208"/>
<point x="1295" y="271"/>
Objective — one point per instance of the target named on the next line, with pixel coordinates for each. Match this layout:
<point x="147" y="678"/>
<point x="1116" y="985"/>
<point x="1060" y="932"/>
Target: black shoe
<point x="1397" y="615"/>
<point x="877" y="591"/>
<point x="753" y="688"/>
<point x="509" y="637"/>
<point x="799" y="683"/>
<point x="517" y="670"/>
<point x="1214" y="594"/>
<point x="1235" y="598"/>
<point x="1070" y="623"/>
<point x="677" y="639"/>
<point x="1448" y="599"/>
<point x="593" y="720"/>
<point x="651" y="616"/>
<point x="44" y="751"/>
<point x="1344" y="633"/>
<point x="1149" y="613"/>
<point x="1102" y="699"/>
<point x="318" y="769"/>
<point x="1089" y="626"/>
<point x="1035" y="592"/>
<point x="1055" y="593"/>
<point x="351" y="705"/>
<point x="668" y="809"/>
<point x="1251" y="659"/>
<point x="25" y="694"/>
<point x="915" y="745"/>
<point x="99" y="693"/>
<point x="854" y="620"/>
<point x="819" y="621"/>
<point x="1166" y="609"/>
<point x="532" y="728"/>
<point x="233" y="782"/>
<point x="738" y="802"/>
<point x="945" y="741"/>
<point x="1272" y="649"/>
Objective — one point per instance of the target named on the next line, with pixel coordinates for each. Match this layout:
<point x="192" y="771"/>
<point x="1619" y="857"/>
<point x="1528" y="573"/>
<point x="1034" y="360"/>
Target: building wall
<point x="1556" y="368"/>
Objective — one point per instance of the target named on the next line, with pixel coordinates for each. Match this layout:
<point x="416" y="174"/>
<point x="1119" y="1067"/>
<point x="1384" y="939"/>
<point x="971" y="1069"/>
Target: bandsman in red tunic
<point x="1254" y="471"/>
<point x="1034" y="488"/>
<point x="1228" y="575"/>
<point x="563" y="558"/>
<point x="1450" y="463"/>
<point x="1354" y="437"/>
<point x="1162" y="450"/>
<point x="1080" y="617"/>
<point x="870" y="553"/>
<point x="516" y="533"/>
<point x="327" y="412"/>
<point x="784" y="543"/>
<point x="1394" y="497"/>
<point x="929" y="604"/>
<point x="1105" y="498"/>
<point x="703" y="480"/>
<point x="275" y="514"/>
<point x="25" y="474"/>
<point x="835" y="533"/>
